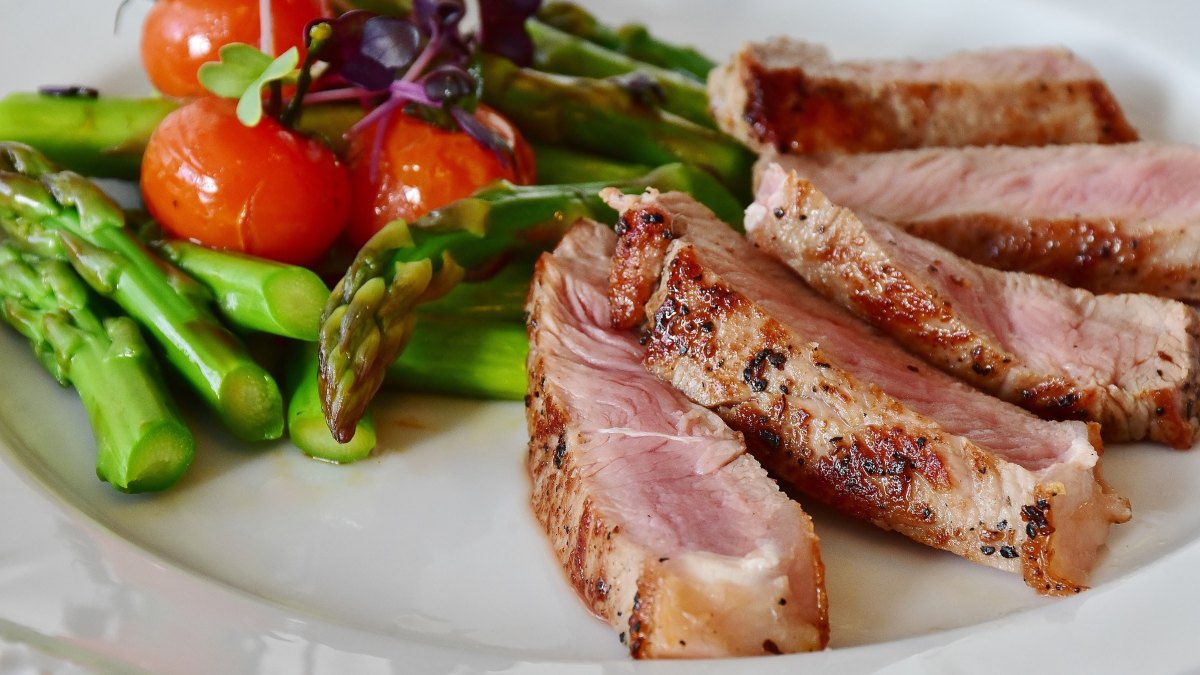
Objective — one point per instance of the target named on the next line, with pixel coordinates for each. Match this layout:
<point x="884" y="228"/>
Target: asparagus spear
<point x="99" y="137"/>
<point x="253" y="293"/>
<point x="633" y="40"/>
<point x="500" y="297"/>
<point x="556" y="51"/>
<point x="371" y="312"/>
<point x="64" y="216"/>
<point x="463" y="357"/>
<point x="471" y="341"/>
<point x="556" y="165"/>
<point x="602" y="117"/>
<point x="306" y="419"/>
<point x="106" y="136"/>
<point x="141" y="443"/>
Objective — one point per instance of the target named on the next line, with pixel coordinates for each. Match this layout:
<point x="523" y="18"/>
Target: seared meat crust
<point x="1128" y="361"/>
<point x="801" y="400"/>
<point x="1109" y="218"/>
<point x="792" y="97"/>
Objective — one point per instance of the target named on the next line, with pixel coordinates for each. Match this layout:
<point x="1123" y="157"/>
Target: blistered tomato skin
<point x="261" y="190"/>
<point x="180" y="35"/>
<point x="423" y="167"/>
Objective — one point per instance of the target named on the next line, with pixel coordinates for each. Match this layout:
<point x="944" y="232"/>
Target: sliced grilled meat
<point x="1127" y="361"/>
<point x="1108" y="218"/>
<point x="848" y="417"/>
<point x="665" y="527"/>
<point x="793" y="97"/>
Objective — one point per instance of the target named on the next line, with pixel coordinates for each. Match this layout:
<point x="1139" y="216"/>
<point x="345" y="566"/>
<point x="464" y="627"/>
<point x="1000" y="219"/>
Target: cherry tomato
<point x="180" y="35"/>
<point x="422" y="167"/>
<point x="263" y="190"/>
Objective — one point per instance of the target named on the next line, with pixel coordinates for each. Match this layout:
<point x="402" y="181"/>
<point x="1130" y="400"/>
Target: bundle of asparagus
<point x="603" y="107"/>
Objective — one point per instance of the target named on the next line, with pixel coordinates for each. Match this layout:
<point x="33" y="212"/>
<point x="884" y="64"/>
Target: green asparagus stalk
<point x="501" y="297"/>
<point x="64" y="216"/>
<point x="371" y="313"/>
<point x="556" y="51"/>
<point x="557" y="165"/>
<point x="141" y="442"/>
<point x="632" y="40"/>
<point x="94" y="136"/>
<point x="463" y="357"/>
<point x="105" y="136"/>
<point x="254" y="293"/>
<point x="306" y="418"/>
<point x="602" y="117"/>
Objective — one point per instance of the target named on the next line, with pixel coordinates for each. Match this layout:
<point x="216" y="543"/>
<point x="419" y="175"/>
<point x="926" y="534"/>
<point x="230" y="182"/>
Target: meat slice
<point x="1108" y="218"/>
<point x="793" y="97"/>
<point x="848" y="417"/>
<point x="1127" y="361"/>
<point x="665" y="527"/>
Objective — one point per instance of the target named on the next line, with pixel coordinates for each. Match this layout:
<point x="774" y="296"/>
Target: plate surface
<point x="425" y="558"/>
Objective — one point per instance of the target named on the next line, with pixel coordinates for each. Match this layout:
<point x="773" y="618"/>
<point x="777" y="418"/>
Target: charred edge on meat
<point x="555" y="477"/>
<point x="678" y="329"/>
<point x="643" y="237"/>
<point x="1057" y="399"/>
<point x="787" y="109"/>
<point x="887" y="297"/>
<point x="591" y="534"/>
<point x="1035" y="550"/>
<point x="866" y="472"/>
<point x="1175" y="416"/>
<point x="1114" y="128"/>
<point x="1088" y="254"/>
<point x="641" y="618"/>
<point x="784" y="107"/>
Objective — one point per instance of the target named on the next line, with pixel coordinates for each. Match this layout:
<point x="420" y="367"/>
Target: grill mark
<point x="643" y="237"/>
<point x="1057" y="399"/>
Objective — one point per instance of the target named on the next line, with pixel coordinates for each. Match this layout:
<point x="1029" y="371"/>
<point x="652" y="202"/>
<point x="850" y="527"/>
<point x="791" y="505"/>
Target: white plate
<point x="425" y="558"/>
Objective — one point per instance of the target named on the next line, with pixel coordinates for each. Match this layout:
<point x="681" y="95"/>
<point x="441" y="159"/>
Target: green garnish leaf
<point x="243" y="72"/>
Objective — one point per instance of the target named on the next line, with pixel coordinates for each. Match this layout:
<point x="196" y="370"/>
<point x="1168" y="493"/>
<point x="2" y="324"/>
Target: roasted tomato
<point x="180" y="35"/>
<point x="422" y="167"/>
<point x="263" y="190"/>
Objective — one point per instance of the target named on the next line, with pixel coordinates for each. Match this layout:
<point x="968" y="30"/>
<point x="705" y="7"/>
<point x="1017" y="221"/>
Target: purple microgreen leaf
<point x="438" y="17"/>
<point x="369" y="50"/>
<point x="390" y="41"/>
<point x="502" y="28"/>
<point x="425" y="65"/>
<point x="345" y="36"/>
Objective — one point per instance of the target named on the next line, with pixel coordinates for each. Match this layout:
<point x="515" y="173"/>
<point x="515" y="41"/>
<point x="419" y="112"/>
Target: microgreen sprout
<point x="424" y="64"/>
<point x="243" y="72"/>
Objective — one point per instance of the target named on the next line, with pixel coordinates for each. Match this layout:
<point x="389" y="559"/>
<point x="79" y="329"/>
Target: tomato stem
<point x="318" y="36"/>
<point x="275" y="102"/>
